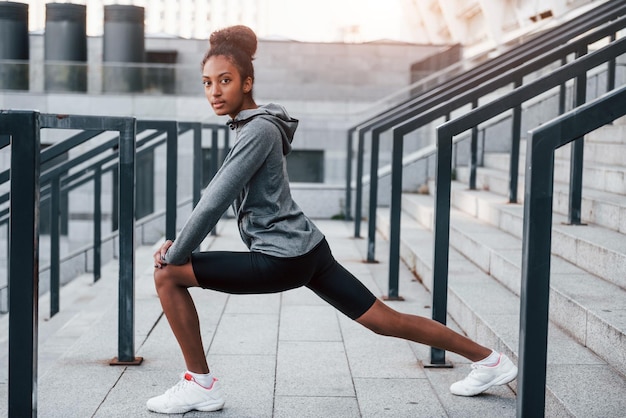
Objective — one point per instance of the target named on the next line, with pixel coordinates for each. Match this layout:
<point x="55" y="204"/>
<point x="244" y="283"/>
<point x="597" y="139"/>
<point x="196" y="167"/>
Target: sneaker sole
<point x="210" y="407"/>
<point x="503" y="380"/>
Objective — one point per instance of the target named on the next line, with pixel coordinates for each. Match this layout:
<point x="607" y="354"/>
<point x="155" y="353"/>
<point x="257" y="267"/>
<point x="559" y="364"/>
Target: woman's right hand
<point x="159" y="255"/>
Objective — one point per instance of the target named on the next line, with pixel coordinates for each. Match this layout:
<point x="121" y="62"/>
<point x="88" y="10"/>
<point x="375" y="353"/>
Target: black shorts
<point x="254" y="273"/>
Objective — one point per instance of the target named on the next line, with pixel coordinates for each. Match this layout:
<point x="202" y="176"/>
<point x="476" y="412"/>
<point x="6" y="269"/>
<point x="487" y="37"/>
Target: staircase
<point x="587" y="343"/>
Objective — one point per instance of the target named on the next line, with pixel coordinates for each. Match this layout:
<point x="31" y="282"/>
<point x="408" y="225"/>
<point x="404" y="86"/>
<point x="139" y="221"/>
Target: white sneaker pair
<point x="188" y="395"/>
<point x="483" y="377"/>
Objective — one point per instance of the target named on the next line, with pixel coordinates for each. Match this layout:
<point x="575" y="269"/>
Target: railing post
<point x="610" y="77"/>
<point x="563" y="92"/>
<point x="126" y="320"/>
<point x="535" y="290"/>
<point x="473" y="152"/>
<point x="197" y="163"/>
<point x="577" y="151"/>
<point x="516" y="131"/>
<point x="97" y="223"/>
<point x="358" y="205"/>
<point x="349" y="155"/>
<point x="215" y="155"/>
<point x="115" y="200"/>
<point x="172" y="179"/>
<point x="536" y="247"/>
<point x="373" y="202"/>
<point x="55" y="237"/>
<point x="442" y="237"/>
<point x="395" y="214"/>
<point x="24" y="260"/>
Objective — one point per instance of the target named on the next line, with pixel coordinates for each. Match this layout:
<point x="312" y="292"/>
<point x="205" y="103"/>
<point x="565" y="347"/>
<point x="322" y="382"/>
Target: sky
<point x="321" y="20"/>
<point x="303" y="20"/>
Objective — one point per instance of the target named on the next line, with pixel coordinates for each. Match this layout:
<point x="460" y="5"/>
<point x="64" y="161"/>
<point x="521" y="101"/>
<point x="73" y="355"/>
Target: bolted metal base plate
<point x="136" y="362"/>
<point x="446" y="365"/>
<point x="398" y="298"/>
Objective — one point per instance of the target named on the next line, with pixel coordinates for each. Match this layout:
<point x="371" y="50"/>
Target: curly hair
<point x="238" y="44"/>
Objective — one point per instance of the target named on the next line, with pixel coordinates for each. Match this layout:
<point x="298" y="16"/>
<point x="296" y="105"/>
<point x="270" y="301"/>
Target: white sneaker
<point x="188" y="395"/>
<point x="483" y="377"/>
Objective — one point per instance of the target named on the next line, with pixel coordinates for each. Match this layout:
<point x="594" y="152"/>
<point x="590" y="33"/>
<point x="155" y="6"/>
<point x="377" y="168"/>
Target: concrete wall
<point x="328" y="87"/>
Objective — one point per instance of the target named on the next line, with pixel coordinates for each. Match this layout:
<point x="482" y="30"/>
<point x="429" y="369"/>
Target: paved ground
<point x="281" y="355"/>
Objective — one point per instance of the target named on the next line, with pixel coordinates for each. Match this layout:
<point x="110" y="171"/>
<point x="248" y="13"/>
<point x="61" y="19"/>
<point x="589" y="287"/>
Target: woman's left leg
<point x="384" y="320"/>
<point x="345" y="292"/>
<point x="340" y="288"/>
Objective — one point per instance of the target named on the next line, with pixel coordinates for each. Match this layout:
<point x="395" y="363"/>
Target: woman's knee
<point x="161" y="279"/>
<point x="170" y="276"/>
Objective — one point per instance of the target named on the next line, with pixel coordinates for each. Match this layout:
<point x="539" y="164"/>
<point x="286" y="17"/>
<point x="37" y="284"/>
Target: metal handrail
<point x="433" y="113"/>
<point x="508" y="60"/>
<point x="102" y="159"/>
<point x="430" y="111"/>
<point x="25" y="127"/>
<point x="535" y="290"/>
<point x="23" y="275"/>
<point x="445" y="134"/>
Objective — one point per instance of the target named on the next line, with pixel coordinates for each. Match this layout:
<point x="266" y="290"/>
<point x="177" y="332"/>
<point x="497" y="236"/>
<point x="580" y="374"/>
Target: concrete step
<point x="592" y="247"/>
<point x="607" y="172"/>
<point x="595" y="153"/>
<point x="583" y="304"/>
<point x="496" y="320"/>
<point x="598" y="206"/>
<point x="615" y="133"/>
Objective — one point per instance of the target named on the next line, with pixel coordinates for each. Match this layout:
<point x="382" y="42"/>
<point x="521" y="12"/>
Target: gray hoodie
<point x="254" y="180"/>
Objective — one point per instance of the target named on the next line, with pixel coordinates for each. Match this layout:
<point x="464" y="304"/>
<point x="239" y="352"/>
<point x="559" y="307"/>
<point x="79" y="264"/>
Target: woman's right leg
<point x="172" y="284"/>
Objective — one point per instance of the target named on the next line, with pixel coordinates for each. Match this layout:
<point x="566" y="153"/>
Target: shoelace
<point x="178" y="386"/>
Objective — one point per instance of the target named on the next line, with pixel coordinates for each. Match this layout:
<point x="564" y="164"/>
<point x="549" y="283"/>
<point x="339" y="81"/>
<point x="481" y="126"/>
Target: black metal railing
<point x="59" y="180"/>
<point x="466" y="94"/>
<point x="23" y="272"/>
<point x="24" y="130"/>
<point x="535" y="290"/>
<point x="433" y="109"/>
<point x="448" y="130"/>
<point x="118" y="156"/>
<point x="458" y="84"/>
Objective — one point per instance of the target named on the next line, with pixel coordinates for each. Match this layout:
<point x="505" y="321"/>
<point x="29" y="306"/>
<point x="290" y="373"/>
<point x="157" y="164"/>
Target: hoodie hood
<point x="273" y="113"/>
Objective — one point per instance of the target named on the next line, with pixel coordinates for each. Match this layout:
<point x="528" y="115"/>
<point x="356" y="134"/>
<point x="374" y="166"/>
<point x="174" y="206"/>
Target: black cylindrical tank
<point x="65" y="51"/>
<point x="123" y="48"/>
<point x="14" y="46"/>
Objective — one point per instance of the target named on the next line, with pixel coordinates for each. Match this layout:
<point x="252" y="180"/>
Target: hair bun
<point x="239" y="36"/>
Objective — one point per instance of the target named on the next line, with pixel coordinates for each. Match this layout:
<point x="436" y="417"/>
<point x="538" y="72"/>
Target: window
<point x="306" y="166"/>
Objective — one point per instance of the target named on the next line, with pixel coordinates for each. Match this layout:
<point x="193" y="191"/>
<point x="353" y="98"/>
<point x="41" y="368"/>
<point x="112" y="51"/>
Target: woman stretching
<point x="287" y="250"/>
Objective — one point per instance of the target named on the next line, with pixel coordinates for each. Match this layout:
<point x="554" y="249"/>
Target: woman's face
<point x="223" y="86"/>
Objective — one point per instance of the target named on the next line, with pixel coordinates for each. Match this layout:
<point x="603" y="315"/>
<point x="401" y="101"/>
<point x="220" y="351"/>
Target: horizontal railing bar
<point x="66" y="166"/>
<point x="86" y="122"/>
<point x="494" y="66"/>
<point x="540" y="85"/>
<point x="497" y="81"/>
<point x="67" y="144"/>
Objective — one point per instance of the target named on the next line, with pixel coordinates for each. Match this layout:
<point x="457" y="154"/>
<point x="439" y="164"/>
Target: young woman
<point x="287" y="250"/>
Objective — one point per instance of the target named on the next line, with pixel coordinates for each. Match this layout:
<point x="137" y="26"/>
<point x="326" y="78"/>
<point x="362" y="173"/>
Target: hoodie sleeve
<point x="247" y="155"/>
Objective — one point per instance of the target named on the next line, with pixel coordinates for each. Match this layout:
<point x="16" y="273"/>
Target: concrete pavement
<point x="280" y="355"/>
